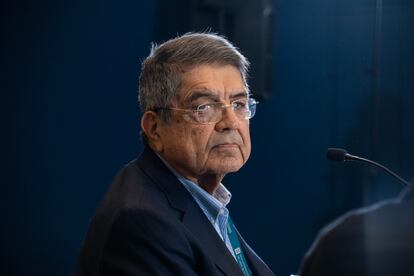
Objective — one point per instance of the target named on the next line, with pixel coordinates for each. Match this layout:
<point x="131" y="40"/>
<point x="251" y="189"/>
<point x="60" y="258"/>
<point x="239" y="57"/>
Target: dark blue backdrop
<point x="343" y="77"/>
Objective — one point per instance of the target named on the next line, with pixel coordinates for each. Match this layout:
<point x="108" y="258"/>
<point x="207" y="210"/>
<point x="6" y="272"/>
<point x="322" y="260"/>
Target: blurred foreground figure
<point x="165" y="213"/>
<point x="373" y="241"/>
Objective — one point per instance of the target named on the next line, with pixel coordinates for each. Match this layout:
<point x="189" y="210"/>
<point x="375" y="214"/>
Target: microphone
<point x="341" y="155"/>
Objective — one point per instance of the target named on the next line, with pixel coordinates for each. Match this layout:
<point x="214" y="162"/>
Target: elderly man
<point x="165" y="213"/>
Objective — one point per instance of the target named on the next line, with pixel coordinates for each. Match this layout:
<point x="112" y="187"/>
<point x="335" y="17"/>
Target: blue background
<point x="70" y="119"/>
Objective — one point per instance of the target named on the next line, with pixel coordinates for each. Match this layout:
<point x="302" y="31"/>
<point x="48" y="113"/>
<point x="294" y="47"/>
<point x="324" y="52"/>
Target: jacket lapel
<point x="198" y="224"/>
<point x="156" y="170"/>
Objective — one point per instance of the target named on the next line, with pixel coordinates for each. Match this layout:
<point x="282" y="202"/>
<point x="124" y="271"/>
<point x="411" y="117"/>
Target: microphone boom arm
<point x="350" y="157"/>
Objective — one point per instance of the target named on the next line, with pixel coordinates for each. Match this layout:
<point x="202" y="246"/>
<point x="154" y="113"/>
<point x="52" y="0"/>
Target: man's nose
<point x="229" y="119"/>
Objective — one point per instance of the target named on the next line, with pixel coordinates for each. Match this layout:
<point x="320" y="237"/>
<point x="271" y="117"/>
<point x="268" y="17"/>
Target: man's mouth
<point x="227" y="145"/>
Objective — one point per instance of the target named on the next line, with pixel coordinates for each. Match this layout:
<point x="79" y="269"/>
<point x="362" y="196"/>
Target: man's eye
<point x="205" y="107"/>
<point x="239" y="104"/>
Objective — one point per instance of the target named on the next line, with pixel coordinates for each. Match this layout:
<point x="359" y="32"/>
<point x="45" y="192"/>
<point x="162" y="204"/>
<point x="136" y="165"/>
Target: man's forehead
<point x="215" y="81"/>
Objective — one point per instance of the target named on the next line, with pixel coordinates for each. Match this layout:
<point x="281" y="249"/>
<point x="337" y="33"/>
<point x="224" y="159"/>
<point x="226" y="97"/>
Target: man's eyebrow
<point x="213" y="96"/>
<point x="238" y="95"/>
<point x="202" y="94"/>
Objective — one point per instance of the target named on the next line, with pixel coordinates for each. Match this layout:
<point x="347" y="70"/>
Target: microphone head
<point x="336" y="154"/>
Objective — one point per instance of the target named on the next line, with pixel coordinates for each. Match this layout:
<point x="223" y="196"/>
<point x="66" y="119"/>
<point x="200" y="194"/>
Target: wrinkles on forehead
<point x="213" y="82"/>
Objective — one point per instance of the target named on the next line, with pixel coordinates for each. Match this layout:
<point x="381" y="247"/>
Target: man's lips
<point x="226" y="145"/>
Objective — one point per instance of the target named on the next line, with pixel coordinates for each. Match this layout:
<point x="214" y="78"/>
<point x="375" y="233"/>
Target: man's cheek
<point x="196" y="132"/>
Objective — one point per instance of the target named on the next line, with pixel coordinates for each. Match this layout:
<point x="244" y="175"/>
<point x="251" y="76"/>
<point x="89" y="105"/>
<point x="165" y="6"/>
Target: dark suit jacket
<point x="148" y="224"/>
<point x="377" y="240"/>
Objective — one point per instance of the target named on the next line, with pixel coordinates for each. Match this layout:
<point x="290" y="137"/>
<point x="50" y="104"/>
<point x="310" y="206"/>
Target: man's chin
<point x="229" y="165"/>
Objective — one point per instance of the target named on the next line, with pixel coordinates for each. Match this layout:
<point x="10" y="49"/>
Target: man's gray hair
<point x="162" y="70"/>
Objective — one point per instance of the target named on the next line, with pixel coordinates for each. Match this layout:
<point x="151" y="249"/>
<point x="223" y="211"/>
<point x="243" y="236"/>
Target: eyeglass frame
<point x="249" y="112"/>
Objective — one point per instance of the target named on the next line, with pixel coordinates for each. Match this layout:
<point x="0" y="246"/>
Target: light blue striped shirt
<point x="213" y="206"/>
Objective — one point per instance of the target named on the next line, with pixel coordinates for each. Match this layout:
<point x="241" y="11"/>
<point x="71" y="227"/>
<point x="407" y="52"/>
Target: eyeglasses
<point x="209" y="113"/>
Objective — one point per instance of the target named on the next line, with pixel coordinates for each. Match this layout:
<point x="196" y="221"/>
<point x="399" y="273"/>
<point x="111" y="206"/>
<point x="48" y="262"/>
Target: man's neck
<point x="209" y="182"/>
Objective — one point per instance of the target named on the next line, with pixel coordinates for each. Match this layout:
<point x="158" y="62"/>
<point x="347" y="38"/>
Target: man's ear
<point x="150" y="125"/>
